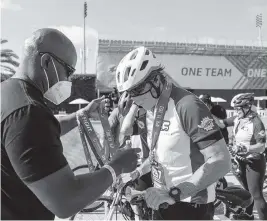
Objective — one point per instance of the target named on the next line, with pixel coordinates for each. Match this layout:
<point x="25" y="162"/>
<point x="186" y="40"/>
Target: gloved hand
<point x="240" y="149"/>
<point x="155" y="197"/>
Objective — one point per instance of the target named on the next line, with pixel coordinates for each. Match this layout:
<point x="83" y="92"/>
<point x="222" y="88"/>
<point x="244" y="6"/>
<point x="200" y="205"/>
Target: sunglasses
<point x="141" y="89"/>
<point x="69" y="69"/>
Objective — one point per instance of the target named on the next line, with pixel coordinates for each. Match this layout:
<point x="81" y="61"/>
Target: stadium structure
<point x="220" y="70"/>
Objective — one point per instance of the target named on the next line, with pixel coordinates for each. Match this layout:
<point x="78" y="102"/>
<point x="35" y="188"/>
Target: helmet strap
<point x="245" y="114"/>
<point x="158" y="89"/>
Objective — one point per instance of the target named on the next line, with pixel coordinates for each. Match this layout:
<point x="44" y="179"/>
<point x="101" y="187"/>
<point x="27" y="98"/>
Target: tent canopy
<point x="79" y="101"/>
<point x="217" y="99"/>
<point x="260" y="98"/>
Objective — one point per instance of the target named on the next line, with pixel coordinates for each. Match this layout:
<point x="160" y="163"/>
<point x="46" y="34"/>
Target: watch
<point x="175" y="193"/>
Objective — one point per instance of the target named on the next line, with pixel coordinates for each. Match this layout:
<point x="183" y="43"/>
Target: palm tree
<point x="8" y="62"/>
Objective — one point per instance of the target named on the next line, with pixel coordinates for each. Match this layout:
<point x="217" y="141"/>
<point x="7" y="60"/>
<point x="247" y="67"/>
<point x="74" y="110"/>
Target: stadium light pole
<point x="84" y="44"/>
<point x="259" y="25"/>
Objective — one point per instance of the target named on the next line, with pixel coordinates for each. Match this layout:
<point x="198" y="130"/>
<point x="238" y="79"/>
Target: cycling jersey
<point x="188" y="127"/>
<point x="247" y="131"/>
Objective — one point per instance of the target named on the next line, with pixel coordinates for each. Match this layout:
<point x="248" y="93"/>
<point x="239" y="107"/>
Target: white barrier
<point x="230" y="113"/>
<point x="261" y="113"/>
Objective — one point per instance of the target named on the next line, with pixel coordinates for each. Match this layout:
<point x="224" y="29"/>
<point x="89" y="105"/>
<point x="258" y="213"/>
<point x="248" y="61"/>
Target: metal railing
<point x="261" y="113"/>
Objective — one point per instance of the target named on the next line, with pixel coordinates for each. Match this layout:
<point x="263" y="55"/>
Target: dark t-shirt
<point x="220" y="112"/>
<point x="30" y="149"/>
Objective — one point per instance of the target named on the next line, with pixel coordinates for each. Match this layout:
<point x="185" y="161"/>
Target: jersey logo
<point x="206" y="124"/>
<point x="166" y="125"/>
<point x="141" y="124"/>
<point x="262" y="133"/>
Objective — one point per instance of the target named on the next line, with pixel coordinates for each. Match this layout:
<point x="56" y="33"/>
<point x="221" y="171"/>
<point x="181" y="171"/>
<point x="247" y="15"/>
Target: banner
<point x="199" y="72"/>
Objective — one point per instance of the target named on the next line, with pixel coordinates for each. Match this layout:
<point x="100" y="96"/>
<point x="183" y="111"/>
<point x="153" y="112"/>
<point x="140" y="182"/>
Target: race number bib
<point x="157" y="173"/>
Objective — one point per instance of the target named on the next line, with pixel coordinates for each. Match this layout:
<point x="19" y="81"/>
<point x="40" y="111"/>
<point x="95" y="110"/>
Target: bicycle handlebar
<point x="137" y="197"/>
<point x="138" y="200"/>
<point x="236" y="156"/>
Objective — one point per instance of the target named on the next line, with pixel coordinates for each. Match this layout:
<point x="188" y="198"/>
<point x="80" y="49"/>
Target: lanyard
<point x="86" y="129"/>
<point x="159" y="114"/>
<point x="85" y="146"/>
<point x="103" y="115"/>
<point x="92" y="139"/>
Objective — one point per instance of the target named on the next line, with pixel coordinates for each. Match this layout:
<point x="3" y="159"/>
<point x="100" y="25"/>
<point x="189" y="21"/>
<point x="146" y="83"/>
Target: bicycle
<point x="234" y="200"/>
<point x="221" y="184"/>
<point x="123" y="200"/>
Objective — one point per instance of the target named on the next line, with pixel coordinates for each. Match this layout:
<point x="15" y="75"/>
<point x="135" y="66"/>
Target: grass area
<point x="73" y="149"/>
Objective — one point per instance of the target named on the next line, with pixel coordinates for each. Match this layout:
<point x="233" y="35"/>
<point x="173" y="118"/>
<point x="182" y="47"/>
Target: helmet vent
<point x="154" y="56"/>
<point x="144" y="64"/>
<point x="133" y="72"/>
<point x="147" y="52"/>
<point x="134" y="55"/>
<point x="127" y="73"/>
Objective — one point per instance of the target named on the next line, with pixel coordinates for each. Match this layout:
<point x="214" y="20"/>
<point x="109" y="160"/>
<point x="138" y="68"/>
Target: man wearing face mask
<point x="187" y="151"/>
<point x="37" y="182"/>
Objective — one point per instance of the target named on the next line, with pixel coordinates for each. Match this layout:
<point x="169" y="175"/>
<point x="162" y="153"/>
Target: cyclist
<point x="136" y="132"/>
<point x="216" y="110"/>
<point x="249" y="141"/>
<point x="187" y="151"/>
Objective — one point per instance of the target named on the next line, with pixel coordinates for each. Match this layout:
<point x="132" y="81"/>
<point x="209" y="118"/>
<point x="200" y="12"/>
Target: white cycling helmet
<point x="243" y="99"/>
<point x="135" y="67"/>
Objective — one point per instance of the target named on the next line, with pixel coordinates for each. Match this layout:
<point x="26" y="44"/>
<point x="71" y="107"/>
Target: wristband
<point x="79" y="112"/>
<point x="113" y="174"/>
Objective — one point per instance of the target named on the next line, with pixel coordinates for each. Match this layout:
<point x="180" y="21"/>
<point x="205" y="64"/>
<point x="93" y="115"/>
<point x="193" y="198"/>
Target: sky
<point x="212" y="21"/>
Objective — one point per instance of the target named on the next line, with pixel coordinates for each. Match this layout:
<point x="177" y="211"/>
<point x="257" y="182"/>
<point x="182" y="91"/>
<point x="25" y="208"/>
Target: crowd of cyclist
<point x="248" y="141"/>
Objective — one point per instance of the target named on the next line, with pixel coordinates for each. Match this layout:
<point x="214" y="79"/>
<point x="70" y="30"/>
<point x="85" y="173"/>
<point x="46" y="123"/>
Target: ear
<point x="45" y="59"/>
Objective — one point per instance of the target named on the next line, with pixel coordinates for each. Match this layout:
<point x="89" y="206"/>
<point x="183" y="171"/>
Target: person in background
<point x="249" y="142"/>
<point x="37" y="182"/>
<point x="218" y="111"/>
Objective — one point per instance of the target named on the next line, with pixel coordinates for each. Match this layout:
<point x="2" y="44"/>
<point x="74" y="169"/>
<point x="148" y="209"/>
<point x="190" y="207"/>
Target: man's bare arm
<point x="68" y="122"/>
<point x="257" y="148"/>
<point x="65" y="194"/>
<point x="217" y="164"/>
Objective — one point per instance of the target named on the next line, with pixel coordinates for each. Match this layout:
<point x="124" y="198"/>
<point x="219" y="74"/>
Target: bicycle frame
<point x="117" y="198"/>
<point x="113" y="206"/>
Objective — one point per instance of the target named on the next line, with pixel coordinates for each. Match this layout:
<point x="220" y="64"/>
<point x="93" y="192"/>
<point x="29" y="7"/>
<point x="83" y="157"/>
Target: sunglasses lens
<point x="140" y="90"/>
